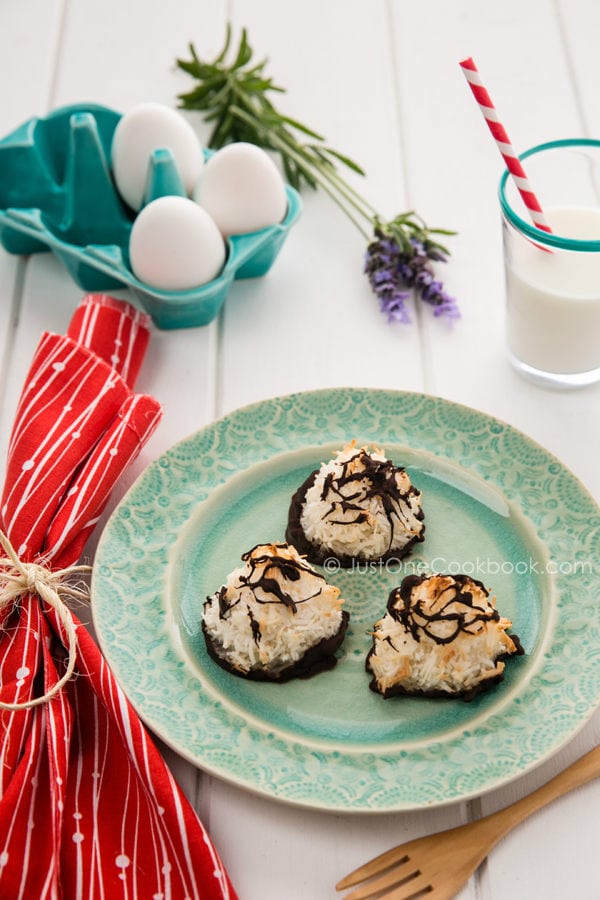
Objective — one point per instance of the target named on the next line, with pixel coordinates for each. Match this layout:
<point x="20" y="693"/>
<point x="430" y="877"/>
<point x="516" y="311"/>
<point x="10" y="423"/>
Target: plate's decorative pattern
<point x="131" y="620"/>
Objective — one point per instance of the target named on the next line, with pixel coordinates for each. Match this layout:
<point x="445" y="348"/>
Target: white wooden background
<point x="380" y="79"/>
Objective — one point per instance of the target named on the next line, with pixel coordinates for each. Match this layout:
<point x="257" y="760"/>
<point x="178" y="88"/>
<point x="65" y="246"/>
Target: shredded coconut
<point x="361" y="505"/>
<point x="271" y="610"/>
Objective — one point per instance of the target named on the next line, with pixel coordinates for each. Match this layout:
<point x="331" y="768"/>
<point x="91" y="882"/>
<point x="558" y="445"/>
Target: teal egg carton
<point x="57" y="194"/>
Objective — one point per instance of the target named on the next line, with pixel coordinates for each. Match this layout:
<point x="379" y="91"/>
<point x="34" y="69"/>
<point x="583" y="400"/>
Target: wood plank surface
<point x="380" y="79"/>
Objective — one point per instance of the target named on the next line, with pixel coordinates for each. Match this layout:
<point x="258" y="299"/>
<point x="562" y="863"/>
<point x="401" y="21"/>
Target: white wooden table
<point x="381" y="81"/>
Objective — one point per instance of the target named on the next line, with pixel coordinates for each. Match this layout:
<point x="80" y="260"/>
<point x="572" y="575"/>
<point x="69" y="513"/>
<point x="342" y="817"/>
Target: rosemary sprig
<point x="234" y="97"/>
<point x="232" y="92"/>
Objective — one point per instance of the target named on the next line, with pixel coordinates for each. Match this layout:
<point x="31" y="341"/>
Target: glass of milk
<point x="553" y="280"/>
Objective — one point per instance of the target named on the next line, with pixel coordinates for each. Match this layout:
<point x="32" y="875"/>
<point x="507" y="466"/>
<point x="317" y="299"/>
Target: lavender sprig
<point x="400" y="253"/>
<point x="397" y="265"/>
<point x="381" y="265"/>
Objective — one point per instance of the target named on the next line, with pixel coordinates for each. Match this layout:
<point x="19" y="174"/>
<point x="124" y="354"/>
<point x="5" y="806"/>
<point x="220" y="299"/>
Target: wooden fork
<point x="437" y="866"/>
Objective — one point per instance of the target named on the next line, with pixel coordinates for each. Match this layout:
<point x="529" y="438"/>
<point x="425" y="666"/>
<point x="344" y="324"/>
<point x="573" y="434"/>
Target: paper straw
<point x="513" y="163"/>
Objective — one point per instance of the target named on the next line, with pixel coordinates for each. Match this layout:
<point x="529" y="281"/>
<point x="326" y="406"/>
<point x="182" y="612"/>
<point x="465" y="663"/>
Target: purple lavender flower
<point x="418" y="273"/>
<point x="381" y="266"/>
<point x="394" y="269"/>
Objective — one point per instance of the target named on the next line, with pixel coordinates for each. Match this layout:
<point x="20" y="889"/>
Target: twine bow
<point x="17" y="579"/>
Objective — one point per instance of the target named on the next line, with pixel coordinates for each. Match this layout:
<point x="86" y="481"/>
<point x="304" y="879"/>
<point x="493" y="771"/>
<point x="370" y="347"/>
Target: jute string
<point x="18" y="579"/>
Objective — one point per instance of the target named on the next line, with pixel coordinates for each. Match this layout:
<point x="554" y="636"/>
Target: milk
<point x="553" y="297"/>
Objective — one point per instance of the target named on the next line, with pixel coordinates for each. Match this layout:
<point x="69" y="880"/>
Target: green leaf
<point x="244" y="53"/>
<point x="221" y="57"/>
<point x="349" y="163"/>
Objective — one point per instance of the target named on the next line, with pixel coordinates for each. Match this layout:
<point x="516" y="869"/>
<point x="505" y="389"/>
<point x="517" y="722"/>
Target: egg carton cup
<point x="57" y="194"/>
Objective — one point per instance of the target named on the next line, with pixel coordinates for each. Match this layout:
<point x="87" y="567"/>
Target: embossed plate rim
<point x="505" y="746"/>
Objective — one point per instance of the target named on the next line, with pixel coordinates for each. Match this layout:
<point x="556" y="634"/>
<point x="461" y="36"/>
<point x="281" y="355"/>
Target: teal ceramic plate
<point x="497" y="506"/>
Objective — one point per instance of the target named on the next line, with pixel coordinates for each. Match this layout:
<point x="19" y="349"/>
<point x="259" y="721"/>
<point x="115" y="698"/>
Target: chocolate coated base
<point x="319" y="658"/>
<point x="399" y="691"/>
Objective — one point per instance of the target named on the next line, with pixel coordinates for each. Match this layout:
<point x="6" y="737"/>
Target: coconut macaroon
<point x="441" y="637"/>
<point x="275" y="618"/>
<point x="357" y="506"/>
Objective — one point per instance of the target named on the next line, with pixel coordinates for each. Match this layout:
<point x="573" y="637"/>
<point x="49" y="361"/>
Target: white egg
<point x="175" y="245"/>
<point x="242" y="189"/>
<point x="148" y="127"/>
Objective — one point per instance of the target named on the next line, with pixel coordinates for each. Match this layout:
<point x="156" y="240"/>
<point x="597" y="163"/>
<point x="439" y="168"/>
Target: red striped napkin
<point x="88" y="807"/>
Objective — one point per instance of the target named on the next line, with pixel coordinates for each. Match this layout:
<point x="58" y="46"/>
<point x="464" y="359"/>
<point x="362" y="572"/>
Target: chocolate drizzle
<point x="375" y="478"/>
<point x="271" y="589"/>
<point x="458" y="609"/>
<point x="264" y="587"/>
<point x="254" y="627"/>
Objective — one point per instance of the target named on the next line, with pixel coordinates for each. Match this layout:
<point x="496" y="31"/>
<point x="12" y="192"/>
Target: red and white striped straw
<point x="513" y="163"/>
